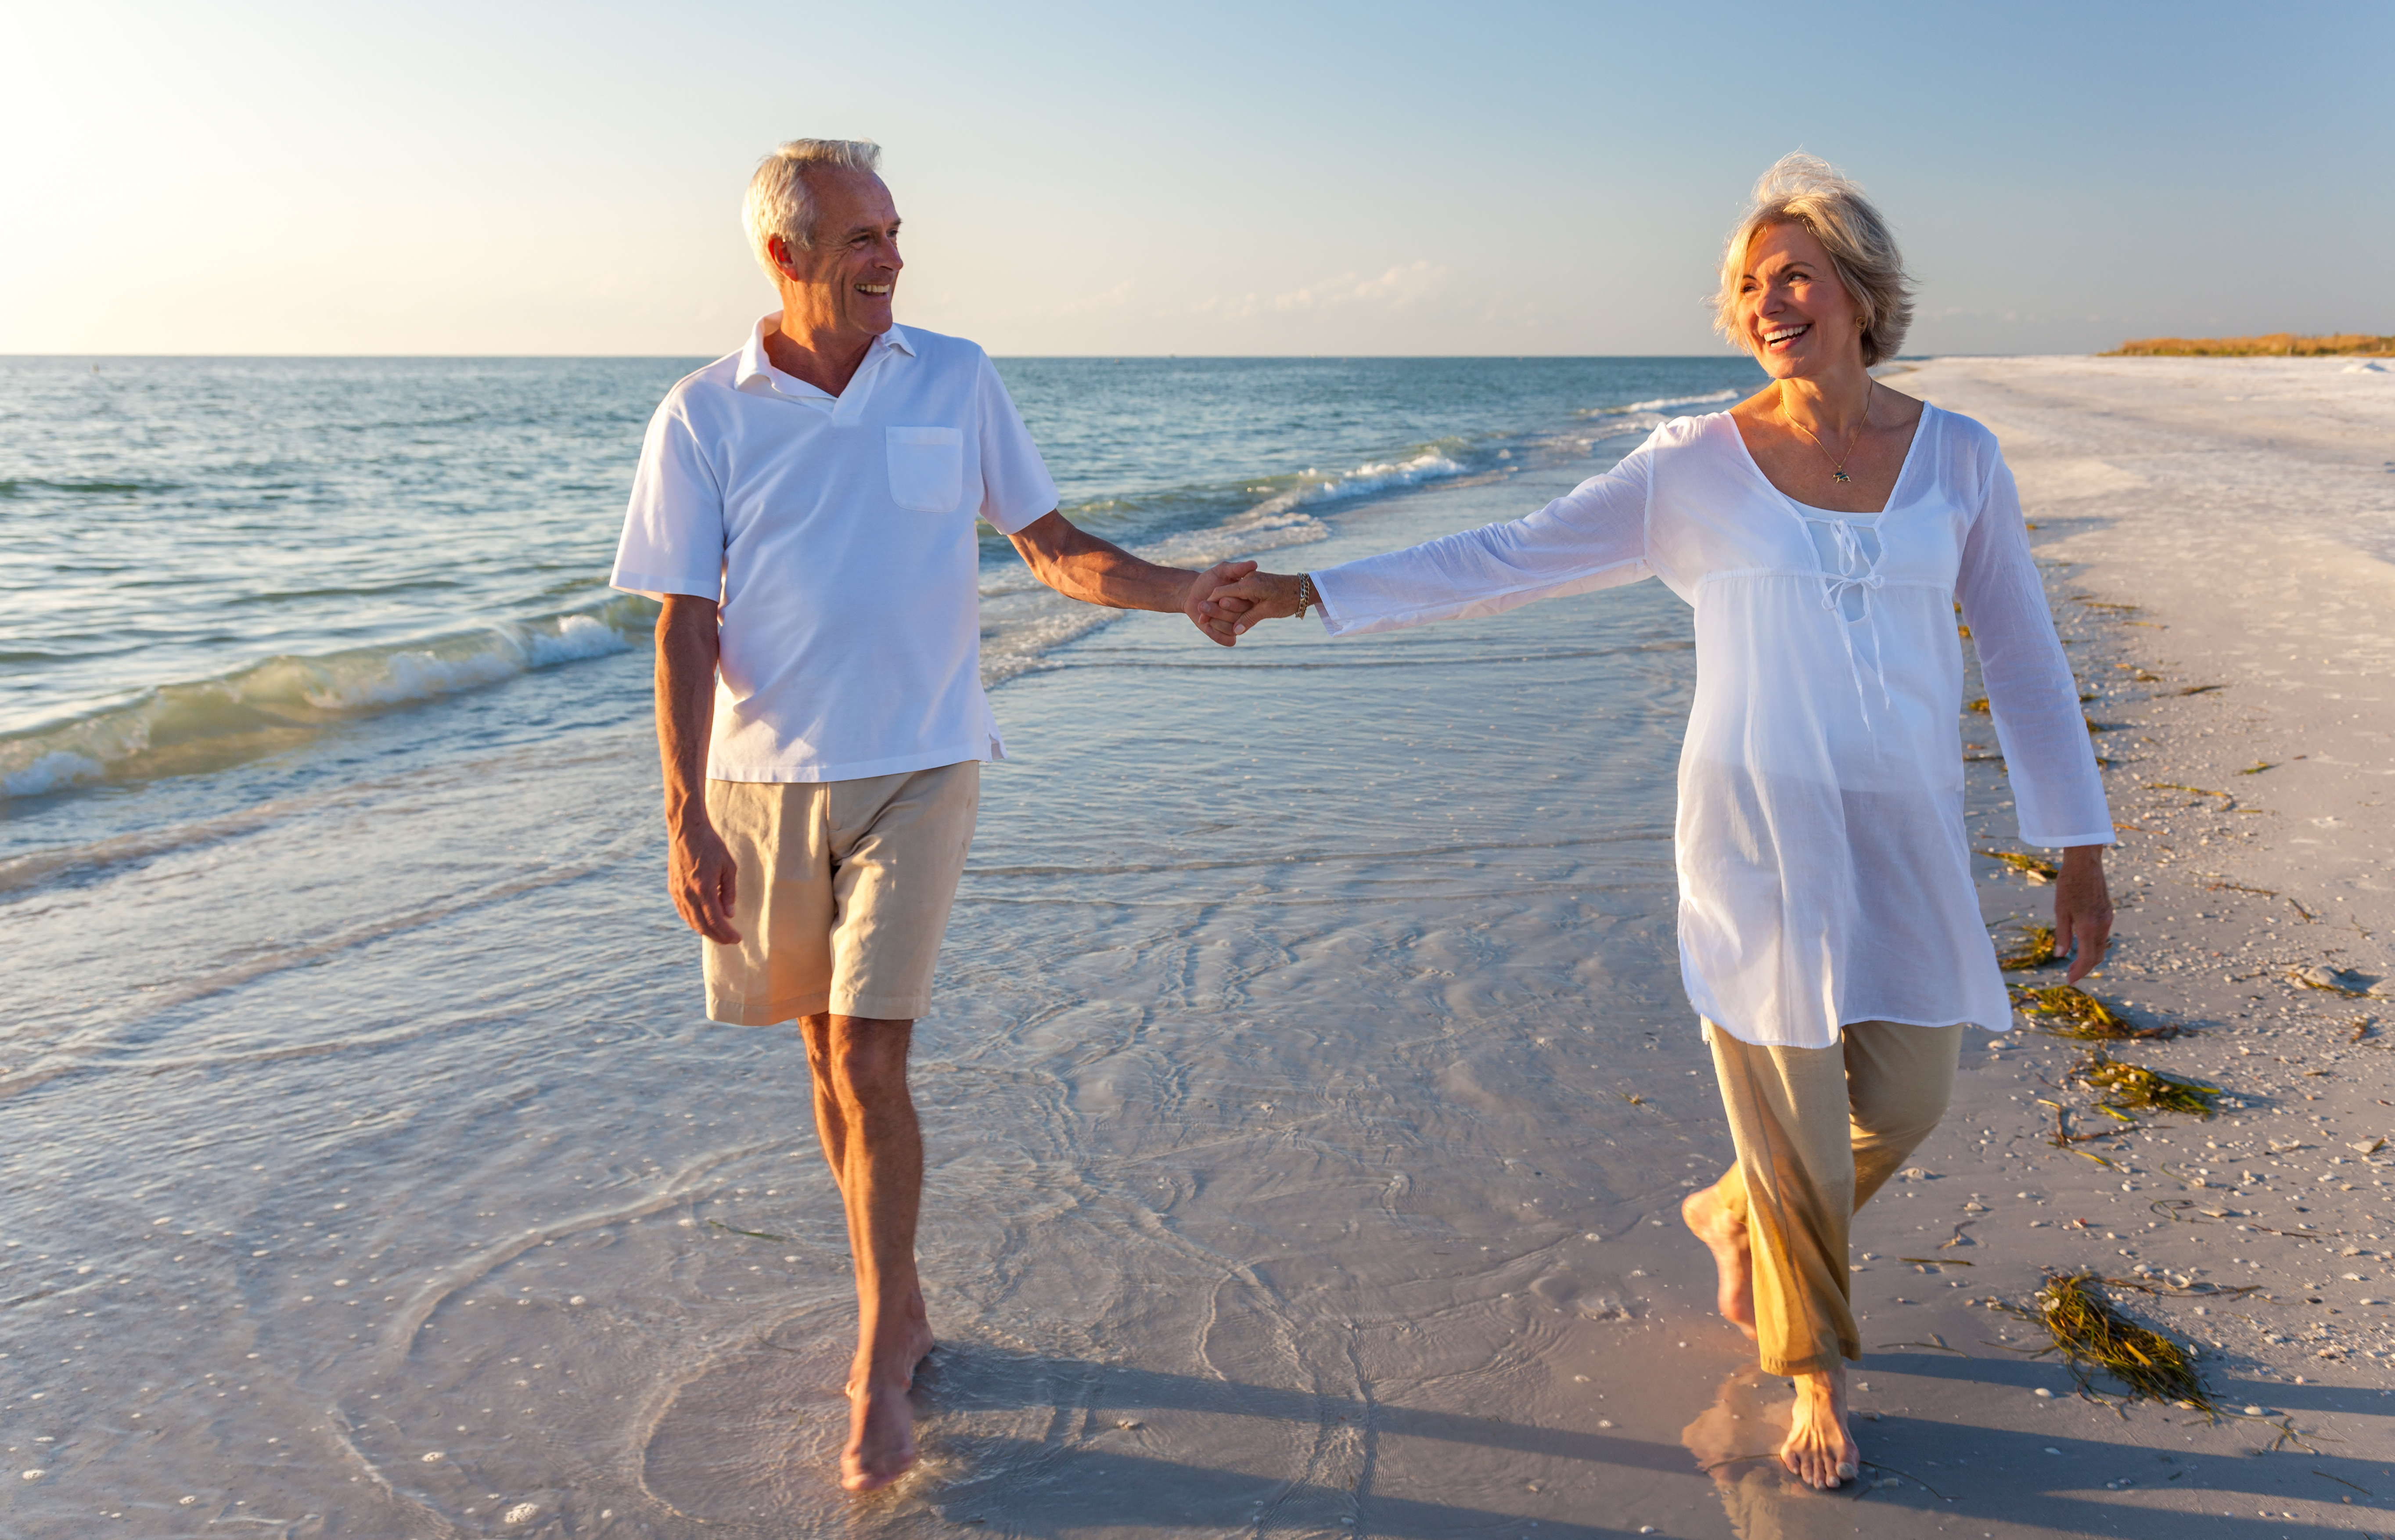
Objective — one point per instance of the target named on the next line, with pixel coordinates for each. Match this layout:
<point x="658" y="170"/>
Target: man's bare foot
<point x="881" y="1419"/>
<point x="1726" y="1236"/>
<point x="920" y="1341"/>
<point x="1819" y="1451"/>
<point x="880" y="1432"/>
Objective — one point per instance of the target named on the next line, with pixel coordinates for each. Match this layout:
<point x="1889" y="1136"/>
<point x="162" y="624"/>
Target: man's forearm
<point x="687" y="649"/>
<point x="1113" y="577"/>
<point x="1080" y="566"/>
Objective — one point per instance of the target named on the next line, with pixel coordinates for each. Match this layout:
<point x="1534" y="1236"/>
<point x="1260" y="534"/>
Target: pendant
<point x="1840" y="475"/>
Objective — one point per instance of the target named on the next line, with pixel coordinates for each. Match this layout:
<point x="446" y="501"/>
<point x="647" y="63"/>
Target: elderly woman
<point x="1825" y="531"/>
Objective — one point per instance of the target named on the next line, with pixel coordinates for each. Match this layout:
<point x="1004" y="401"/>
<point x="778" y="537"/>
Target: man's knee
<point x="860" y="1060"/>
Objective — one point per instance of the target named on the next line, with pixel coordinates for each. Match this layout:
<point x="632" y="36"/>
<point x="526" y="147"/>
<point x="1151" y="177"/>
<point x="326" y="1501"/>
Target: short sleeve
<point x="1015" y="488"/>
<point x="673" y="529"/>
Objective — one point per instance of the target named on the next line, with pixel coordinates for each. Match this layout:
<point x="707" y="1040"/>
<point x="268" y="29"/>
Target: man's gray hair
<point x="778" y="201"/>
<point x="1805" y="189"/>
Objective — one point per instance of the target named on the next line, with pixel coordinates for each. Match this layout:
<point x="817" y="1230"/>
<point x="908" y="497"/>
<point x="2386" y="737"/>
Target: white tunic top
<point x="838" y="534"/>
<point x="1824" y="872"/>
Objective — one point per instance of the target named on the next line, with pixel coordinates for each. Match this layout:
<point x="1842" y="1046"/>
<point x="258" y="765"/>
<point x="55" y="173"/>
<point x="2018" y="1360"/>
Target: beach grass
<point x="2272" y="345"/>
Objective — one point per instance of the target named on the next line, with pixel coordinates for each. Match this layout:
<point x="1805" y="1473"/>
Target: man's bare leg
<point x="1820" y="1451"/>
<point x="831" y="1125"/>
<point x="1725" y="1235"/>
<point x="875" y="1149"/>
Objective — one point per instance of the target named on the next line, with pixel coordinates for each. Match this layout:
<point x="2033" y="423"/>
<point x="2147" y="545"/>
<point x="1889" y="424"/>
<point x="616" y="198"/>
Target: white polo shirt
<point x="838" y="534"/>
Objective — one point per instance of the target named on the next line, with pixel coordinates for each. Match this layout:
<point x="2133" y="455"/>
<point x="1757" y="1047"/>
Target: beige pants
<point x="843" y="893"/>
<point x="1817" y="1131"/>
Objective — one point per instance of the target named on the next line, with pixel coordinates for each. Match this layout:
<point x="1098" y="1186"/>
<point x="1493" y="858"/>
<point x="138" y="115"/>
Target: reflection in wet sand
<point x="1737" y="1441"/>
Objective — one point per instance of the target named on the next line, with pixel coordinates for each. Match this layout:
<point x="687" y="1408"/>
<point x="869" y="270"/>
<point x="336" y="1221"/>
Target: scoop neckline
<point x="1808" y="509"/>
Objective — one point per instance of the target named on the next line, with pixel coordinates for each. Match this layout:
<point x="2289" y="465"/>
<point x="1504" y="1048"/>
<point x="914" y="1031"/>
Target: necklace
<point x="1837" y="462"/>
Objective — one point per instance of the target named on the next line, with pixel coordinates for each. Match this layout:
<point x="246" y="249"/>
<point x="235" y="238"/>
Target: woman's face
<point x="1793" y="312"/>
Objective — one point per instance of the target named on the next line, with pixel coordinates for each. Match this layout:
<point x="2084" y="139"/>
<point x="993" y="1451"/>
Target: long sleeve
<point x="2058" y="794"/>
<point x="1593" y="537"/>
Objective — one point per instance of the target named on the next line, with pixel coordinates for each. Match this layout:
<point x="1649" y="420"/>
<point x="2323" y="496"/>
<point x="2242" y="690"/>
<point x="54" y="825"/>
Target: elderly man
<point x="805" y="509"/>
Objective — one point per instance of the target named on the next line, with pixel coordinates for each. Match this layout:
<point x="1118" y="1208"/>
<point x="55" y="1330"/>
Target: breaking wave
<point x="1659" y="409"/>
<point x="206" y="723"/>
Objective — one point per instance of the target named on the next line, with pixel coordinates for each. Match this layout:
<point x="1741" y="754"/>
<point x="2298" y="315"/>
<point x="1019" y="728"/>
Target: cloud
<point x="1394" y="289"/>
<point x="1398" y="287"/>
<point x="1113" y="299"/>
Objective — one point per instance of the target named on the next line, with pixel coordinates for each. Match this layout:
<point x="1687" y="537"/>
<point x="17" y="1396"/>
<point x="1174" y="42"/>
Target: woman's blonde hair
<point x="1805" y="189"/>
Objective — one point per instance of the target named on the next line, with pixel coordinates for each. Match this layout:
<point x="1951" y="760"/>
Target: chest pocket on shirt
<point x="927" y="469"/>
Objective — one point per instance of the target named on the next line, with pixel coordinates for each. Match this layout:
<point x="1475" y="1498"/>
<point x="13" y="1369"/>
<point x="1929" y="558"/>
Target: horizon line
<point x="1119" y="357"/>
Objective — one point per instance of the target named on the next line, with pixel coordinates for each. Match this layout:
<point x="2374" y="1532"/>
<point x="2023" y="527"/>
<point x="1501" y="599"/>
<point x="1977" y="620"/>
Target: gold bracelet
<point x="1306" y="596"/>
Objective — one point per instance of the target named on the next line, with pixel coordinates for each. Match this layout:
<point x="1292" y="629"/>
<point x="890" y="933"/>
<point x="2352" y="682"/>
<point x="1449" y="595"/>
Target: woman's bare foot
<point x="1726" y="1236"/>
<point x="880" y="1432"/>
<point x="1819" y="1451"/>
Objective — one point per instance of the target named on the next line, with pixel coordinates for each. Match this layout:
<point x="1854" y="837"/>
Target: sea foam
<point x="204" y="724"/>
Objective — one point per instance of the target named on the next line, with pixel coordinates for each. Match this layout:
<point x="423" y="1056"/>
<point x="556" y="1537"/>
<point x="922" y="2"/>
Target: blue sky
<point x="1230" y="179"/>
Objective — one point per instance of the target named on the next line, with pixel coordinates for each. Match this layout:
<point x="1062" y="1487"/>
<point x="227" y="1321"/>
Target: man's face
<point x="843" y="282"/>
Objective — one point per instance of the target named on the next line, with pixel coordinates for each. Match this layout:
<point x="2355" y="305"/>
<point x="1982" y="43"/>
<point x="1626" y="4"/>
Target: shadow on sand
<point x="2041" y="1481"/>
<point x="1037" y="1445"/>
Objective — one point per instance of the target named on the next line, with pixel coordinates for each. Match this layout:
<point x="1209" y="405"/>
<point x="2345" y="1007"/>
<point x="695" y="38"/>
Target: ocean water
<point x="213" y="560"/>
<point x="1308" y="1095"/>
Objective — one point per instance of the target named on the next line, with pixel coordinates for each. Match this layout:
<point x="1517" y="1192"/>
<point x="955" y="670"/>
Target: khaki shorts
<point x="842" y="894"/>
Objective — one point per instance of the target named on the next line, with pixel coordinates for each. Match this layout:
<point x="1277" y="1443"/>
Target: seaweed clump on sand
<point x="2036" y="868"/>
<point x="2335" y="981"/>
<point x="2072" y="1012"/>
<point x="2091" y="1334"/>
<point x="2132" y="1087"/>
<point x="2036" y="950"/>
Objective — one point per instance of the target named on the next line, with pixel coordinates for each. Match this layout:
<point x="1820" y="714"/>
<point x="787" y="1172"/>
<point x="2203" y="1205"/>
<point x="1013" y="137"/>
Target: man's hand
<point x="1195" y="601"/>
<point x="2083" y="911"/>
<point x="1238" y="605"/>
<point x="699" y="873"/>
<point x="704" y="880"/>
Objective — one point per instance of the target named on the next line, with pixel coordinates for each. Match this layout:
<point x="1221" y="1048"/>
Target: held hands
<point x="1194" y="601"/>
<point x="1236" y="603"/>
<point x="2082" y="910"/>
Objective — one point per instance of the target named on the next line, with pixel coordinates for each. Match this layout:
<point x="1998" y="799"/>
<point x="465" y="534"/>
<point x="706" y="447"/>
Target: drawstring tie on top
<point x="1858" y="574"/>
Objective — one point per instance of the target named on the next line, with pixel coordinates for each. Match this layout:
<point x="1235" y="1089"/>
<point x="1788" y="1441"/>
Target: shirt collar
<point x="756" y="368"/>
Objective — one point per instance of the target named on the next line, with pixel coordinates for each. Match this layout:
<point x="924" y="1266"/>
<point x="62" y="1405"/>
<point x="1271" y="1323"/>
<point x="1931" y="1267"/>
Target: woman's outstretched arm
<point x="1593" y="537"/>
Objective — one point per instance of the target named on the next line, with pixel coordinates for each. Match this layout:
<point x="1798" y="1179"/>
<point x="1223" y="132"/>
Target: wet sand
<point x="1309" y="1097"/>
